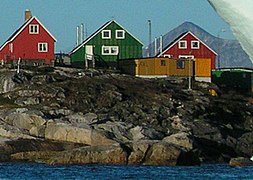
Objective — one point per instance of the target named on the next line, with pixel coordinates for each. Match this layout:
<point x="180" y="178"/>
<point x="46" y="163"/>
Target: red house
<point x="188" y="45"/>
<point x="32" y="43"/>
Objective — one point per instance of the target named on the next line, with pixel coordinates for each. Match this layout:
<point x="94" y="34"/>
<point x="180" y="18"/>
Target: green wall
<point x="128" y="47"/>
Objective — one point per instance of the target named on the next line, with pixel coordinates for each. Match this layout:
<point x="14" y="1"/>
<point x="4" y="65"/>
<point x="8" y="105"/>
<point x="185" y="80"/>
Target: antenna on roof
<point x="77" y="35"/>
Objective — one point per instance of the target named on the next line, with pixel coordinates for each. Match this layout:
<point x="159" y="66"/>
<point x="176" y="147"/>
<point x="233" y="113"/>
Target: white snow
<point x="239" y="15"/>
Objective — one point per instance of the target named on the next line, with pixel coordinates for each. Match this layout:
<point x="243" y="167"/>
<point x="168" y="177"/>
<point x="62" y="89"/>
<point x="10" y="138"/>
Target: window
<point x="110" y="50"/>
<point x="186" y="57"/>
<point x="33" y="29"/>
<point x="120" y="34"/>
<point x="163" y="63"/>
<point x="106" y="34"/>
<point x="11" y="47"/>
<point x="167" y="56"/>
<point x="42" y="47"/>
<point x="180" y="64"/>
<point x="195" y="44"/>
<point x="182" y="44"/>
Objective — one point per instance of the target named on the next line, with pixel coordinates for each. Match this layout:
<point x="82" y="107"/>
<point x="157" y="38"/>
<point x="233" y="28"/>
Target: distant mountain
<point x="231" y="53"/>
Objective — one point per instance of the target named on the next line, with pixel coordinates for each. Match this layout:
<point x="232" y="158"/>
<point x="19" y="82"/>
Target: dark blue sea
<point x="42" y="171"/>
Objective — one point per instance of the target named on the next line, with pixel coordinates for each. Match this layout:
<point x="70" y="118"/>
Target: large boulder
<point x="6" y="82"/>
<point x="139" y="152"/>
<point x="120" y="130"/>
<point x="245" y="144"/>
<point x="70" y="133"/>
<point x="182" y="139"/>
<point x="17" y="149"/>
<point x="101" y="154"/>
<point x="168" y="154"/>
<point x="82" y="119"/>
<point x="161" y="153"/>
<point x="8" y="131"/>
<point x="240" y="161"/>
<point x="144" y="133"/>
<point x="24" y="121"/>
<point x="178" y="124"/>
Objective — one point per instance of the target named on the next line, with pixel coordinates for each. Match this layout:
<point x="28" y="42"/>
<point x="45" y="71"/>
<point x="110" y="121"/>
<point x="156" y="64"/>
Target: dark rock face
<point x="91" y="119"/>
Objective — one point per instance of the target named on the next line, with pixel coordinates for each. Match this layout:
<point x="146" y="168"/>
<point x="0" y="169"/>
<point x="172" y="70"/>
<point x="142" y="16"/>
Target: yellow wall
<point x="203" y="67"/>
<point x="153" y="67"/>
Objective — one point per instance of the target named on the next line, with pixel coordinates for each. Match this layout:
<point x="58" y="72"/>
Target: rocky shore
<point x="73" y="116"/>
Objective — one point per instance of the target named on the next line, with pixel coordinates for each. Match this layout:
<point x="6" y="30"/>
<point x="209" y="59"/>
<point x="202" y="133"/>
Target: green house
<point x="106" y="46"/>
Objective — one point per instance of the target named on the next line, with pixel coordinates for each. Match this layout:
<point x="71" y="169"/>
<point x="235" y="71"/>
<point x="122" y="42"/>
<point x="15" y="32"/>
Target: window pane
<point x="195" y="44"/>
<point x="114" y="50"/>
<point x="180" y="64"/>
<point x="163" y="63"/>
<point x="106" y="34"/>
<point x="106" y="50"/>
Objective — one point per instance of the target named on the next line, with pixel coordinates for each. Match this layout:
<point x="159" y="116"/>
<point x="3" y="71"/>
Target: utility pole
<point x="150" y="36"/>
<point x="219" y="48"/>
<point x="190" y="79"/>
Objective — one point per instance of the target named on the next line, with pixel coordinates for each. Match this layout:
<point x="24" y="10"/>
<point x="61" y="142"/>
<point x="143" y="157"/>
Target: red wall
<point x="202" y="52"/>
<point x="25" y="45"/>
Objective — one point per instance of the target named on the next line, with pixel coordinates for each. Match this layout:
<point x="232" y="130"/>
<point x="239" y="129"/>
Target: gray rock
<point x="6" y="82"/>
<point x="120" y="130"/>
<point x="70" y="133"/>
<point x="182" y="139"/>
<point x="27" y="101"/>
<point x="102" y="154"/>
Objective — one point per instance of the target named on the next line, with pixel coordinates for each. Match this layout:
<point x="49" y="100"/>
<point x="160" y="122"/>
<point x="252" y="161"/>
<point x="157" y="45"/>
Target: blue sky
<point x="61" y="17"/>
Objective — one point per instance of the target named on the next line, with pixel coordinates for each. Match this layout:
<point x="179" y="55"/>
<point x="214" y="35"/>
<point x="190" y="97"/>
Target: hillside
<point x="231" y="53"/>
<point x="72" y="116"/>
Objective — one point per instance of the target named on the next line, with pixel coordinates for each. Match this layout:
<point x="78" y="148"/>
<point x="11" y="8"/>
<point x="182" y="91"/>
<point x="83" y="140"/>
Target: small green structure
<point x="104" y="47"/>
<point x="235" y="79"/>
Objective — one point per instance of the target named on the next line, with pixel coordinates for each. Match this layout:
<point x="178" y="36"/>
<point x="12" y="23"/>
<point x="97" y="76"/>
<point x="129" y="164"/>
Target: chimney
<point x="28" y="14"/>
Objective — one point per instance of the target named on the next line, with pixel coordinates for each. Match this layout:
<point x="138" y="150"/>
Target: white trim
<point x="98" y="31"/>
<point x="192" y="43"/>
<point x="34" y="29"/>
<point x="43" y="47"/>
<point x="167" y="56"/>
<point x="152" y="76"/>
<point x="182" y="47"/>
<point x="24" y="26"/>
<point x="109" y="33"/>
<point x="203" y="79"/>
<point x="112" y="50"/>
<point x="11" y="47"/>
<point x="189" y="32"/>
<point x="186" y="56"/>
<point x="123" y="34"/>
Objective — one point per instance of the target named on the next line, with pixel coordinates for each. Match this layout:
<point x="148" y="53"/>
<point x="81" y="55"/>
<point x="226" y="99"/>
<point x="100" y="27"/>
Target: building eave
<point x="179" y="39"/>
<point x="16" y="33"/>
<point x="97" y="32"/>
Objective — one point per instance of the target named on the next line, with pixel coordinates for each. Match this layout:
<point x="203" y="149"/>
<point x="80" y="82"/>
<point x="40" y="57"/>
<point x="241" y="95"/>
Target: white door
<point x="89" y="52"/>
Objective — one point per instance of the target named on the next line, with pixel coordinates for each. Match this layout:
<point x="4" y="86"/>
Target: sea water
<point x="42" y="171"/>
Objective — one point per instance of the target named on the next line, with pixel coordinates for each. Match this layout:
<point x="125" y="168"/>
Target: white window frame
<point x="11" y="47"/>
<point x="123" y="34"/>
<point x="186" y="57"/>
<point x="167" y="56"/>
<point x="103" y="35"/>
<point x="43" y="47"/>
<point x="192" y="43"/>
<point x="32" y="29"/>
<point x="110" y="50"/>
<point x="182" y="47"/>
